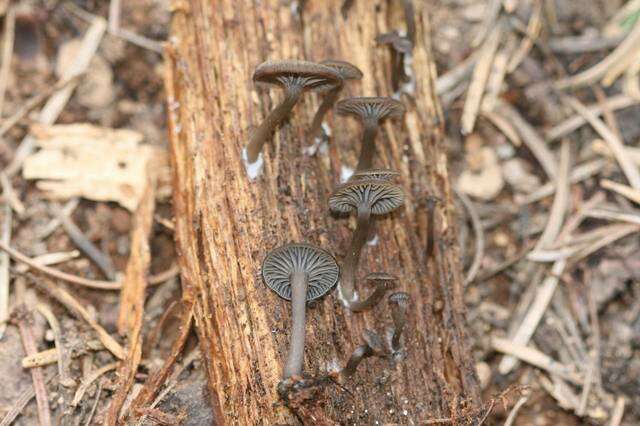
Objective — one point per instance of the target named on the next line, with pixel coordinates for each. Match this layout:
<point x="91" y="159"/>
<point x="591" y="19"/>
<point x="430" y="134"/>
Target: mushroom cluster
<point x="301" y="272"/>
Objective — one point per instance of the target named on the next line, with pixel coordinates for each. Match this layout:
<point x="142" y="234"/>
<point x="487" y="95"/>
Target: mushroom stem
<point x="399" y="303"/>
<point x="299" y="282"/>
<point x="347" y="283"/>
<point x="369" y="302"/>
<point x="275" y="117"/>
<point x="327" y="103"/>
<point x="360" y="353"/>
<point x="368" y="147"/>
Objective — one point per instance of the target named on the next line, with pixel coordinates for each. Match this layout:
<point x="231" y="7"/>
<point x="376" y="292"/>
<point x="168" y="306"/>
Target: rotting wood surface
<point x="226" y="224"/>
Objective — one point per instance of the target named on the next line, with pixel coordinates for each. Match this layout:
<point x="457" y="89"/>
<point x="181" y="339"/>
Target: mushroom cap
<point x="400" y="298"/>
<point x="399" y="43"/>
<point x="309" y="74"/>
<point x="376" y="108"/>
<point x="346" y="70"/>
<point x="378" y="278"/>
<point x="321" y="268"/>
<point x="379" y="174"/>
<point x="382" y="196"/>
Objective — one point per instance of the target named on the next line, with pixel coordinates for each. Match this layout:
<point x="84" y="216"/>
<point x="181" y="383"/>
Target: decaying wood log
<point x="226" y="224"/>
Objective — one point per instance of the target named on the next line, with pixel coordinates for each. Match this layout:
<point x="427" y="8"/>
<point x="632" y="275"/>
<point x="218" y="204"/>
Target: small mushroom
<point x="373" y="347"/>
<point x="380" y="174"/>
<point x="431" y="225"/>
<point x="300" y="273"/>
<point x="371" y="111"/>
<point x="347" y="71"/>
<point x="366" y="197"/>
<point x="294" y="77"/>
<point x="399" y="302"/>
<point x="382" y="282"/>
<point x="398" y="46"/>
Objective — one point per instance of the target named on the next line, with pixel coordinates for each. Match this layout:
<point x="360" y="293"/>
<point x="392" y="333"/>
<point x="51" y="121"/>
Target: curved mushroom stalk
<point x="382" y="282"/>
<point x="267" y="127"/>
<point x="399" y="302"/>
<point x="373" y="347"/>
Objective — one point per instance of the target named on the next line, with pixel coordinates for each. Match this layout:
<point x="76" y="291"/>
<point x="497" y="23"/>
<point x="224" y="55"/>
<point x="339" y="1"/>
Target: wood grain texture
<point x="226" y="224"/>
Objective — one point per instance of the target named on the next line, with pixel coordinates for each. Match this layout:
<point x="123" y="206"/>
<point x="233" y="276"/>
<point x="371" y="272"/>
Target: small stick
<point x="95" y="405"/>
<point x="479" y="232"/>
<point x="100" y="259"/>
<point x="5" y="237"/>
<point x="618" y="411"/>
<point x="624" y="190"/>
<point x="7" y="52"/>
<point x="68" y="301"/>
<point x="617" y="147"/>
<point x="24" y="318"/>
<point x="23" y="400"/>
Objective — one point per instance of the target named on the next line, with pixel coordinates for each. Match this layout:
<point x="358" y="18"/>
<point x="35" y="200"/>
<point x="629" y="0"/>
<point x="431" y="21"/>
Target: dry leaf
<point x="485" y="183"/>
<point x="97" y="163"/>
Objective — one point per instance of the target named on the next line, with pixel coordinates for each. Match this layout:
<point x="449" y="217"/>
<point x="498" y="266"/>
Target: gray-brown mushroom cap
<point x="371" y="108"/>
<point x="383" y="197"/>
<point x="400" y="298"/>
<point x="346" y="70"/>
<point x="379" y="174"/>
<point x="321" y="268"/>
<point x="307" y="74"/>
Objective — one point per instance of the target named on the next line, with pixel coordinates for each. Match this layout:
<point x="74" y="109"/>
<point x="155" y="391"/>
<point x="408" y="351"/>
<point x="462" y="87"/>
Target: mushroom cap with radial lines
<point x="382" y="196"/>
<point x="371" y="108"/>
<point x="346" y="70"/>
<point x="320" y="267"/>
<point x="307" y="74"/>
<point x="380" y="174"/>
<point x="400" y="298"/>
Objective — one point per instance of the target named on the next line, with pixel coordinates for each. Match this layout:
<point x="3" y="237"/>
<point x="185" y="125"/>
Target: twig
<point x="73" y="279"/>
<point x="578" y="174"/>
<point x="514" y="411"/>
<point x="593" y="74"/>
<point x="560" y="200"/>
<point x="94" y="406"/>
<point x="452" y="78"/>
<point x="567" y="126"/>
<point x="64" y="358"/>
<point x="5" y="237"/>
<point x="617" y="147"/>
<point x="155" y="381"/>
<point x="50" y="356"/>
<point x="76" y="309"/>
<point x="614" y="215"/>
<point x="10" y="196"/>
<point x="484" y="276"/>
<point x="88" y="381"/>
<point x="100" y="259"/>
<point x="613" y="233"/>
<point x="532" y="32"/>
<point x="488" y="22"/>
<point x="7" y="52"/>
<point x="531" y="320"/>
<point x="479" y="236"/>
<point x="479" y="80"/>
<point x="24" y="318"/>
<point x="114" y="16"/>
<point x="572" y="45"/>
<point x="56" y="103"/>
<point x="530" y="137"/>
<point x="618" y="411"/>
<point x="502" y="125"/>
<point x="536" y="358"/>
<point x="624" y="190"/>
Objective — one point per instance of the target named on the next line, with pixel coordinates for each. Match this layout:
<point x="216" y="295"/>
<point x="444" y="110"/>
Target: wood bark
<point x="226" y="224"/>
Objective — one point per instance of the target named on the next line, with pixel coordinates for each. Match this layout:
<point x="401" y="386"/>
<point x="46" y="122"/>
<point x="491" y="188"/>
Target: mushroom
<point x="382" y="282"/>
<point x="346" y="71"/>
<point x="299" y="273"/>
<point x="399" y="302"/>
<point x="399" y="47"/>
<point x="373" y="347"/>
<point x="380" y="174"/>
<point x="367" y="197"/>
<point x="431" y="226"/>
<point x="294" y="77"/>
<point x="371" y="111"/>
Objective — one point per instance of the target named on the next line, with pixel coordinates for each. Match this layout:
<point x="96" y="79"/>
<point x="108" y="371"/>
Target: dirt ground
<point x="539" y="97"/>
